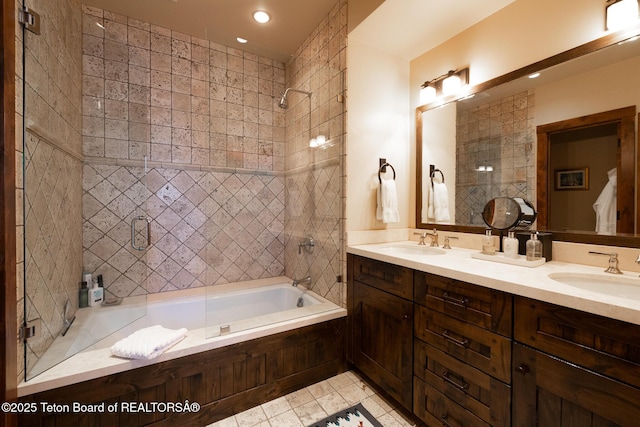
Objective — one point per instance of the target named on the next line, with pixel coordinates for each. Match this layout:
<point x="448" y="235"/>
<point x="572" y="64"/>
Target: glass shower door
<point x="82" y="211"/>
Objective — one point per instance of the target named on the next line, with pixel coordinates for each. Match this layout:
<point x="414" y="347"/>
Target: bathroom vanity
<point x="459" y="341"/>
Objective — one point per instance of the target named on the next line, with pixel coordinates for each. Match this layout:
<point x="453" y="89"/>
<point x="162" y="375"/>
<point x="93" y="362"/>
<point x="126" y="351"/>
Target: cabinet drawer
<point x="485" y="350"/>
<point x="483" y="307"/>
<point x="603" y="345"/>
<point x="479" y="393"/>
<point x="435" y="409"/>
<point x="390" y="278"/>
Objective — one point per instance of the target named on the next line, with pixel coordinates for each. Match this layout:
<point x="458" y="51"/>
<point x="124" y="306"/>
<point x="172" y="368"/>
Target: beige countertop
<point x="531" y="282"/>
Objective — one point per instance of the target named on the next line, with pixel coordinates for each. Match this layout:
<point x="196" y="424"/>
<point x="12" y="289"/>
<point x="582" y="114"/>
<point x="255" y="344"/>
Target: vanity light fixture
<point x="621" y="14"/>
<point x="445" y="85"/>
<point x="261" y="16"/>
<point x="427" y="93"/>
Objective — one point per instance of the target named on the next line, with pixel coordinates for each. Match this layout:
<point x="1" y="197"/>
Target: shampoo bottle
<point x="487" y="244"/>
<point x="534" y="248"/>
<point x="510" y="245"/>
<point x="96" y="294"/>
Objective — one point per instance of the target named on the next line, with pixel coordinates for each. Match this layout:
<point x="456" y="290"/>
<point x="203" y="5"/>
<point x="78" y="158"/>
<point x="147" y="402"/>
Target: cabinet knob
<point x="406" y="317"/>
<point x="523" y="369"/>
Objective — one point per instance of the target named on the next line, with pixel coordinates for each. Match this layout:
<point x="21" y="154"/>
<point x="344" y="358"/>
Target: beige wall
<point x="524" y="32"/>
<point x="378" y="126"/>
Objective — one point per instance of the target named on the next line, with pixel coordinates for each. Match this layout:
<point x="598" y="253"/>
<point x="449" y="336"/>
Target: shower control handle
<point x="308" y="244"/>
<point x="133" y="232"/>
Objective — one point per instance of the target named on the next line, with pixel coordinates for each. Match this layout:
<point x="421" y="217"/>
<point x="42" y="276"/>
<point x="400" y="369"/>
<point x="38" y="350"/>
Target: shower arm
<point x="290" y="89"/>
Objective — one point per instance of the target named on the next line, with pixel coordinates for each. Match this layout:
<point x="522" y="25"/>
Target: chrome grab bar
<point x="133" y="232"/>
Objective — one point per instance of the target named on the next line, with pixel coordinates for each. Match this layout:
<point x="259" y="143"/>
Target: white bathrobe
<point x="606" y="206"/>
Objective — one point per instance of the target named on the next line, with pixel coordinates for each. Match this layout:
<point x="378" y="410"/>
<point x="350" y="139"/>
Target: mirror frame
<point x="630" y="240"/>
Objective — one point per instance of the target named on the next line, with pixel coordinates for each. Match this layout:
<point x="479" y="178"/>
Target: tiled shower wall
<point x="52" y="159"/>
<point x="495" y="134"/>
<point x="202" y="118"/>
<point x="315" y="176"/>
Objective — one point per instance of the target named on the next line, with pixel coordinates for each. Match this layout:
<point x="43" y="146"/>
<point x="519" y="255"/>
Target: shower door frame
<point x="8" y="268"/>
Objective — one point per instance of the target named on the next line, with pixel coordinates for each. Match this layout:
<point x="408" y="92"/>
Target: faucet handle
<point x="422" y="236"/>
<point x="446" y="244"/>
<point x="613" y="261"/>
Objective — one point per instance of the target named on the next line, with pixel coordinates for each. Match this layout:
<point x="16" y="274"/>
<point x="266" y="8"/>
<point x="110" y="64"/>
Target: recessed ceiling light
<point x="534" y="75"/>
<point x="261" y="16"/>
<point x="241" y="40"/>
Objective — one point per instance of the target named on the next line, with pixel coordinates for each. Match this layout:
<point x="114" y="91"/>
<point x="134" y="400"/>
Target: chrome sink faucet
<point x="613" y="261"/>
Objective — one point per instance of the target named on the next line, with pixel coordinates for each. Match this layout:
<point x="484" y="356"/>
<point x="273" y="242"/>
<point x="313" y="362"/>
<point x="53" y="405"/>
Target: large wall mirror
<point x="561" y="141"/>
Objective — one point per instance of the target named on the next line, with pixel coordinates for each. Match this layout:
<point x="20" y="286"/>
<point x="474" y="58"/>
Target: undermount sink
<point x="617" y="285"/>
<point x="408" y="249"/>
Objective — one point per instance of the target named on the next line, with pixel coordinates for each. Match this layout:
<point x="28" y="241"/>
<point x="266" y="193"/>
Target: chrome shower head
<point x="283" y="101"/>
<point x="284" y="104"/>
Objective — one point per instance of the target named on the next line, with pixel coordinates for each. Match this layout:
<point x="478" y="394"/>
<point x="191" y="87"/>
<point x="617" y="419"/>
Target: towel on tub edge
<point x="147" y="343"/>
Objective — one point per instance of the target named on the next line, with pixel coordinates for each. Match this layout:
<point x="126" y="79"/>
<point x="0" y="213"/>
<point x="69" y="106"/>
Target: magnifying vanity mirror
<point x="559" y="140"/>
<point x="508" y="213"/>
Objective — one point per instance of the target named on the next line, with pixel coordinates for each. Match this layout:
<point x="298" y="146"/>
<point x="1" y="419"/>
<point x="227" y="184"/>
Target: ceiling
<point x="409" y="28"/>
<point x="406" y="28"/>
<point x="222" y="21"/>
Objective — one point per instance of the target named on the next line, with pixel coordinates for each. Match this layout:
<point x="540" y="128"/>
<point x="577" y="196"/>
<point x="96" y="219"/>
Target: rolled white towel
<point x="147" y="343"/>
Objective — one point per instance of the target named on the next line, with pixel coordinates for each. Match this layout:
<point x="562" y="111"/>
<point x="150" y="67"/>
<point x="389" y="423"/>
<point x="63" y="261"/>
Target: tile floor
<point x="311" y="404"/>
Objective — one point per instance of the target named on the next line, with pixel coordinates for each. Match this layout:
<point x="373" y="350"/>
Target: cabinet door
<point x="549" y="392"/>
<point x="383" y="340"/>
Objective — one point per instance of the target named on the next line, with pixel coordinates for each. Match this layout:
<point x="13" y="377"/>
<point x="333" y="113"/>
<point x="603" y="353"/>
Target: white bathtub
<point x="244" y="310"/>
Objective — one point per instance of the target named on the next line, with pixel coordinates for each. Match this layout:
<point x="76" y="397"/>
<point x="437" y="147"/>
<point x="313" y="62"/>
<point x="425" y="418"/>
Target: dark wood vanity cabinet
<point x="459" y="354"/>
<point x="381" y="325"/>
<point x="574" y="368"/>
<point x="462" y="353"/>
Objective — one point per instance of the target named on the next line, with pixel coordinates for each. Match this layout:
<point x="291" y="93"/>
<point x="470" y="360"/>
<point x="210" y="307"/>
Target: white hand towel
<point x="387" y="206"/>
<point x="147" y="343"/>
<point x="440" y="203"/>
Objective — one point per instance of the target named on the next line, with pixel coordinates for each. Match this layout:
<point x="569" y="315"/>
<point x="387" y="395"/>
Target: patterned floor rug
<point x="356" y="416"/>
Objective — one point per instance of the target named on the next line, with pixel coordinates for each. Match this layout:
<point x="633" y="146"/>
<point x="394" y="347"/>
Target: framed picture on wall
<point x="572" y="179"/>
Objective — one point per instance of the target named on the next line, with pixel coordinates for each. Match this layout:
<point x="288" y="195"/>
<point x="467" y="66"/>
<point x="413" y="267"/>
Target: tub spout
<point x="296" y="282"/>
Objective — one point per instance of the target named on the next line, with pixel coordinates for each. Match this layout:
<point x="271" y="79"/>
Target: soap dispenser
<point x="510" y="245"/>
<point x="534" y="248"/>
<point x="487" y="244"/>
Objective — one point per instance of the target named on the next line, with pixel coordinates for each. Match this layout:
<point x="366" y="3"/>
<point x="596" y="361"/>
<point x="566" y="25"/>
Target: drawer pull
<point x="444" y="419"/>
<point x="460" y="343"/>
<point x="460" y="302"/>
<point x="447" y="378"/>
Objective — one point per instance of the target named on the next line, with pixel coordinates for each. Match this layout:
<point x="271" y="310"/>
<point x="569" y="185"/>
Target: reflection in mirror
<point x="486" y="144"/>
<point x="506" y="213"/>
